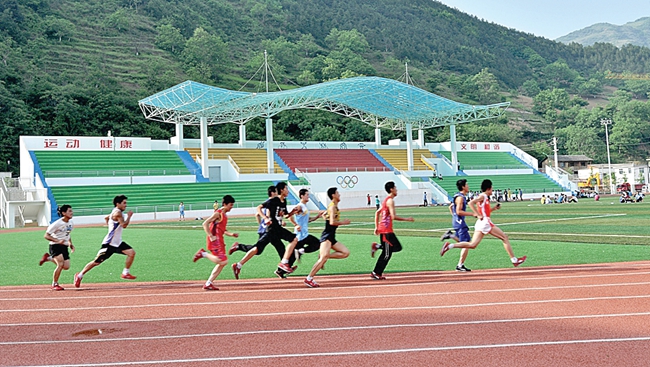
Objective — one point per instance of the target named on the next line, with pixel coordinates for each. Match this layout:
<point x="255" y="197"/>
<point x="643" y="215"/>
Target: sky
<point x="553" y="18"/>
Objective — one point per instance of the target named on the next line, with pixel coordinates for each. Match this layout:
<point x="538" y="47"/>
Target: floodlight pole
<point x="269" y="122"/>
<point x="409" y="146"/>
<point x="606" y="122"/>
<point x="204" y="147"/>
<point x="454" y="152"/>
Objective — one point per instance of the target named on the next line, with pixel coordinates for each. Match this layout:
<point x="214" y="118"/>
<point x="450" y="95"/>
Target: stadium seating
<point x="110" y="163"/>
<point x="330" y="160"/>
<point x="529" y="183"/>
<point x="247" y="160"/>
<point x="92" y="200"/>
<point x="398" y="159"/>
<point x="487" y="160"/>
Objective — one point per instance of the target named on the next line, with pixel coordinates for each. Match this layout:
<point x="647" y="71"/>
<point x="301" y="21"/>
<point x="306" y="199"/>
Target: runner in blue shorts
<point x="458" y="210"/>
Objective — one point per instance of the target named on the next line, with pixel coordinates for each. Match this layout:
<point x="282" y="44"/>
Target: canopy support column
<point x="179" y="136"/>
<point x="421" y="138"/>
<point x="454" y="153"/>
<point x="242" y="135"/>
<point x="378" y="137"/>
<point x="204" y="147"/>
<point x="269" y="145"/>
<point x="409" y="146"/>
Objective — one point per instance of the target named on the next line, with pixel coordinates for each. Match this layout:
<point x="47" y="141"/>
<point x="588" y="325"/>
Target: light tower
<point x="606" y="122"/>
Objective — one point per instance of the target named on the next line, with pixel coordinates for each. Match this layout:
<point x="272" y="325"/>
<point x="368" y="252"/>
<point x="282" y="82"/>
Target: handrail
<point x="119" y="173"/>
<point x="345" y="169"/>
<point x="423" y="159"/>
<point x="234" y="164"/>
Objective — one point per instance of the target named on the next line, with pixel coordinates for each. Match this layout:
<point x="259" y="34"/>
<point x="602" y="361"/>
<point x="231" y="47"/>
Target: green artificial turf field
<point x="557" y="234"/>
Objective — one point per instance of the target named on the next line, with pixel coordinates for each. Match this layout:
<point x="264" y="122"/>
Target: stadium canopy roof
<point x="379" y="102"/>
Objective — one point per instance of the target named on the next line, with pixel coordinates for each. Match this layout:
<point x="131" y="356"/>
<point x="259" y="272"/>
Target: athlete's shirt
<point x="219" y="228"/>
<point x="458" y="221"/>
<point x="60" y="230"/>
<point x="328" y="226"/>
<point x="484" y="207"/>
<point x="302" y="219"/>
<point x="114" y="236"/>
<point x="385" y="224"/>
<point x="277" y="209"/>
<point x="263" y="227"/>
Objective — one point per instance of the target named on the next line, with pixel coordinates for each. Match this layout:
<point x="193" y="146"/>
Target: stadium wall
<point x="127" y="180"/>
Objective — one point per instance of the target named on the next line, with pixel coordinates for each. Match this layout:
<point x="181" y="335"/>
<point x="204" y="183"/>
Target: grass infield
<point x="558" y="234"/>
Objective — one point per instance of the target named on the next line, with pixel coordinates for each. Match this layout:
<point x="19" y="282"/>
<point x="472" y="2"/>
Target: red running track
<point x="586" y="315"/>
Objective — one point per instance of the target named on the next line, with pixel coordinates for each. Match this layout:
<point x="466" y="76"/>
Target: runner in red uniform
<point x="215" y="228"/>
<point x="480" y="206"/>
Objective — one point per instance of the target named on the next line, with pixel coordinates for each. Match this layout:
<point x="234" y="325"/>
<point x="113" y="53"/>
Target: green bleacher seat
<point x="529" y="183"/>
<point x="486" y="160"/>
<point x="110" y="163"/>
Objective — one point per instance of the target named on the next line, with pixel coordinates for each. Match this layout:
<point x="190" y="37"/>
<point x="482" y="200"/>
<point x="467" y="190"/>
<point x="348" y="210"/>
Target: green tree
<point x="59" y="27"/>
<point x="351" y="40"/>
<point x="530" y="88"/>
<point x="169" y="38"/>
<point x="119" y="20"/>
<point x="204" y="54"/>
<point x="487" y="87"/>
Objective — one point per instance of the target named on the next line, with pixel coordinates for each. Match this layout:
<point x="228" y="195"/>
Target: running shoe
<point x="293" y="268"/>
<point x="210" y="287"/>
<point x="77" y="280"/>
<point x="198" y="255"/>
<point x="519" y="261"/>
<point x="373" y="248"/>
<point x="236" y="270"/>
<point x="311" y="283"/>
<point x="57" y="287"/>
<point x="233" y="248"/>
<point x="447" y="235"/>
<point x="374" y="276"/>
<point x="297" y="254"/>
<point x="280" y="273"/>
<point x="128" y="276"/>
<point x="444" y="248"/>
<point x="287" y="269"/>
<point x="43" y="259"/>
<point x="462" y="268"/>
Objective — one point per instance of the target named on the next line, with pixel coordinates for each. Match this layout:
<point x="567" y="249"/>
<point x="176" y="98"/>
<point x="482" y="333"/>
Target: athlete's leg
<point x="498" y="233"/>
<point x="324" y="252"/>
<point x="60" y="265"/>
<point x="130" y="255"/>
<point x="340" y="251"/>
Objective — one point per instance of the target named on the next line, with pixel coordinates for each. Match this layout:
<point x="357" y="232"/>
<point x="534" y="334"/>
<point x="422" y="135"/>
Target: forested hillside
<point x="79" y="67"/>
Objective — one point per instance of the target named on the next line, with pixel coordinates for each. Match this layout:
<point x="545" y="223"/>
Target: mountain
<point x="635" y="33"/>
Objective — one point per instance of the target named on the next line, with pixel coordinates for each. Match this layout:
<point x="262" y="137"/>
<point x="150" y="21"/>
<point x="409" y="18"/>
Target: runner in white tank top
<point x="481" y="207"/>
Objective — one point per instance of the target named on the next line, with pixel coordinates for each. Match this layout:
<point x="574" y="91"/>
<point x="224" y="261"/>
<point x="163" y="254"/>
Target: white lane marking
<point x="340" y="328"/>
<point x="331" y="311"/>
<point x="447" y="274"/>
<point x="320" y="299"/>
<point x="357" y="352"/>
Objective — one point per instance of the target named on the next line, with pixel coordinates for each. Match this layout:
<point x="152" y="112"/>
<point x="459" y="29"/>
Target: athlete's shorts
<point x="390" y="242"/>
<point x="107" y="251"/>
<point x="485" y="225"/>
<point x="265" y="239"/>
<point x="309" y="243"/>
<point x="463" y="234"/>
<point x="56" y="250"/>
<point x="217" y="248"/>
<point x="329" y="236"/>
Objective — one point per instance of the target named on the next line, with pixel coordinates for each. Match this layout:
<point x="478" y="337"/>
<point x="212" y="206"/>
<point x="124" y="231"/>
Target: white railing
<point x="118" y="173"/>
<point x="234" y="164"/>
<point x="345" y="169"/>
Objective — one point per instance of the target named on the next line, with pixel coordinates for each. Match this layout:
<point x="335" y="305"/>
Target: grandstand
<point x="95" y="200"/>
<point x="330" y="160"/>
<point x="398" y="158"/>
<point x="110" y="163"/>
<point x="246" y="160"/>
<point x="487" y="160"/>
<point x="529" y="183"/>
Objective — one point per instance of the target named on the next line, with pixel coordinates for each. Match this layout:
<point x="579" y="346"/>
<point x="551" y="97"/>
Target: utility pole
<point x="555" y="151"/>
<point x="606" y="122"/>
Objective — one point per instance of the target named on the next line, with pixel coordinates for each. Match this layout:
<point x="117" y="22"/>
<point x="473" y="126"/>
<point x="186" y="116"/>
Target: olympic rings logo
<point x="347" y="182"/>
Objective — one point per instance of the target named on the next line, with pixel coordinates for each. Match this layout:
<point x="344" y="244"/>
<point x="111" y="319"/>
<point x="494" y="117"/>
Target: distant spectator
<point x="368" y="196"/>
<point x="181" y="211"/>
<point x="425" y="199"/>
<point x="596" y="197"/>
<point x="521" y="195"/>
<point x="543" y="199"/>
<point x="215" y="206"/>
<point x="377" y="201"/>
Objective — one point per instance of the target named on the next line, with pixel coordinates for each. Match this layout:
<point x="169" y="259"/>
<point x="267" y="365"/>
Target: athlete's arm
<point x="460" y="212"/>
<point x="472" y="204"/>
<point x="120" y="219"/>
<point x="320" y="214"/>
<point x="333" y="221"/>
<point x="377" y="222"/>
<point x="391" y="209"/>
<point x="215" y="217"/>
<point x="52" y="239"/>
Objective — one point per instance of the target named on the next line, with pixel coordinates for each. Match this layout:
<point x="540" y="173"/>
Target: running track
<point x="586" y="315"/>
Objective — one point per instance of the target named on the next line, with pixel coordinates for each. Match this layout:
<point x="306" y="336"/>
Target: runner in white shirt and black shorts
<point x="58" y="233"/>
<point x="113" y="243"/>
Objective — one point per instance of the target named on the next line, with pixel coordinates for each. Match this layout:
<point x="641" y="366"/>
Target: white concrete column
<point x="454" y="153"/>
<point x="242" y="135"/>
<point x="409" y="146"/>
<point x="421" y="138"/>
<point x="269" y="145"/>
<point x="179" y="136"/>
<point x="204" y="147"/>
<point x="378" y="137"/>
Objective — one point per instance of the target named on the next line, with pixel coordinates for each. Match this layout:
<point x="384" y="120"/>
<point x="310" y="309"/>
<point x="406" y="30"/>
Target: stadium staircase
<point x="192" y="165"/>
